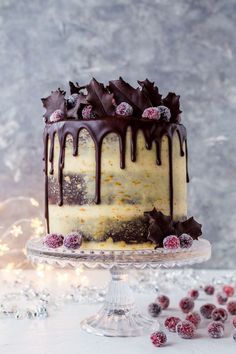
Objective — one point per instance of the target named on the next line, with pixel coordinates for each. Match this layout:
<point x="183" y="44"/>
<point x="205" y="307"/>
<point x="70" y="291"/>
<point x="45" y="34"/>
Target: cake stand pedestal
<point x="119" y="316"/>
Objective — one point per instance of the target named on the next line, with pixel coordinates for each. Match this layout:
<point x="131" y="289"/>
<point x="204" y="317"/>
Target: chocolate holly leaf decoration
<point x="124" y="92"/>
<point x="75" y="88"/>
<point x="100" y="99"/>
<point x="172" y="102"/>
<point x="190" y="227"/>
<point x="160" y="226"/>
<point x="53" y="102"/>
<point x="151" y="92"/>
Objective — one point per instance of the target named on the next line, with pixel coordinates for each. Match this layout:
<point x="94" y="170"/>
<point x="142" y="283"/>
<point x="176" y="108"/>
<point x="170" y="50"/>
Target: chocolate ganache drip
<point x="63" y="118"/>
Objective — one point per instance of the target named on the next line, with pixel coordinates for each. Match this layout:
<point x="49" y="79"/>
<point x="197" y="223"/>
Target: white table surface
<point x="60" y="333"/>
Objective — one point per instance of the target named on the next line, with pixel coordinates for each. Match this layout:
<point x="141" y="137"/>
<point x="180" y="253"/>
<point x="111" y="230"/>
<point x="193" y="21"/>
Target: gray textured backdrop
<point x="187" y="46"/>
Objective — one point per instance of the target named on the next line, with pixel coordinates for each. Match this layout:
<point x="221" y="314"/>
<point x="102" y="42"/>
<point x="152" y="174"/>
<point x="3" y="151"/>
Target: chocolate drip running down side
<point x="153" y="132"/>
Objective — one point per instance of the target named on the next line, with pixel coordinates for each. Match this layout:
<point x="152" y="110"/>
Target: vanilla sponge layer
<point x="125" y="193"/>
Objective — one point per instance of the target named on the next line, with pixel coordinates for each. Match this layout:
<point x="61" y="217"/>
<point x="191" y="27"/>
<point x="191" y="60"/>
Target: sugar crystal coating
<point x="215" y="329"/>
<point x="186" y="329"/>
<point x="209" y="289"/>
<point x="151" y="113"/>
<point x="164" y="113"/>
<point x="221" y="298"/>
<point x="171" y="242"/>
<point x="73" y="241"/>
<point x="56" y="116"/>
<point x="186" y="241"/>
<point x="163" y="301"/>
<point x="193" y="293"/>
<point x="158" y="338"/>
<point x="171" y="323"/>
<point x="231" y="307"/>
<point x="154" y="309"/>
<point x="87" y="112"/>
<point x="186" y="304"/>
<point x="194" y="317"/>
<point x="53" y="240"/>
<point x="219" y="314"/>
<point x="206" y="310"/>
<point x="124" y="109"/>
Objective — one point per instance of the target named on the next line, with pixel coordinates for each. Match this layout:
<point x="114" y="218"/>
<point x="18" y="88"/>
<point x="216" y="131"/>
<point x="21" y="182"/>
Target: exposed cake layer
<point x="127" y="188"/>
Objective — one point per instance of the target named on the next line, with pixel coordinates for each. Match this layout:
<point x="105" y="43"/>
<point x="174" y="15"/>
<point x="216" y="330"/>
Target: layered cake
<point x="116" y="166"/>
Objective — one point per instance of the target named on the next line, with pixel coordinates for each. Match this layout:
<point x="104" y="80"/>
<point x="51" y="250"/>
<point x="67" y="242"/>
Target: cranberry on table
<point x="228" y="290"/>
<point x="209" y="289"/>
<point x="231" y="307"/>
<point x="154" y="309"/>
<point x="234" y="322"/>
<point x="163" y="301"/>
<point x="171" y="323"/>
<point x="215" y="329"/>
<point x="185" y="329"/>
<point x="186" y="304"/>
<point x="158" y="338"/>
<point x="221" y="298"/>
<point x="194" y="317"/>
<point x="206" y="310"/>
<point x="193" y="293"/>
<point x="219" y="314"/>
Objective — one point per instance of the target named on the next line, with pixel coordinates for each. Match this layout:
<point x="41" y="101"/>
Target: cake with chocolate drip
<point x="116" y="165"/>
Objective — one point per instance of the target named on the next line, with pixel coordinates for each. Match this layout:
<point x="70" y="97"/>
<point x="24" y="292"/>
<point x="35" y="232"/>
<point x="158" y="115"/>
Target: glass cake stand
<point x="119" y="316"/>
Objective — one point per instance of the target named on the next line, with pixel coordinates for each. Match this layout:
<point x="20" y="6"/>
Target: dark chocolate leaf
<point x="73" y="111"/>
<point x="190" y="227"/>
<point x="53" y="102"/>
<point x="124" y="92"/>
<point x="100" y="99"/>
<point x="160" y="226"/>
<point x="75" y="88"/>
<point x="151" y="92"/>
<point x="172" y="102"/>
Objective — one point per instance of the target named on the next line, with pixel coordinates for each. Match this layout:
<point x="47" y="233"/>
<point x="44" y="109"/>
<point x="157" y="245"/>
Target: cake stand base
<point x="119" y="316"/>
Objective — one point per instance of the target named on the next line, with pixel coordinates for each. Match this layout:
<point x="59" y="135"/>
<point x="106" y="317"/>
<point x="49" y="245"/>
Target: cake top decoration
<point x="118" y="98"/>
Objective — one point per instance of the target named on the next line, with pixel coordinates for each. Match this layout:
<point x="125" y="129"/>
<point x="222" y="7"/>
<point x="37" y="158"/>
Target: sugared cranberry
<point x="194" y="317"/>
<point x="171" y="323"/>
<point x="186" y="304"/>
<point x="231" y="307"/>
<point x="234" y="322"/>
<point x="215" y="329"/>
<point x="73" y="241"/>
<point x="163" y="301"/>
<point x="185" y="329"/>
<point x="53" y="240"/>
<point x="206" y="310"/>
<point x="154" y="309"/>
<point x="209" y="289"/>
<point x="221" y="298"/>
<point x="158" y="338"/>
<point x="228" y="290"/>
<point x="219" y="314"/>
<point x="186" y="241"/>
<point x="151" y="113"/>
<point x="87" y="112"/>
<point x="164" y="113"/>
<point x="56" y="116"/>
<point x="124" y="109"/>
<point x="193" y="293"/>
<point x="171" y="242"/>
